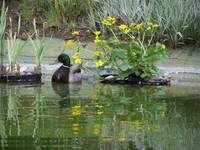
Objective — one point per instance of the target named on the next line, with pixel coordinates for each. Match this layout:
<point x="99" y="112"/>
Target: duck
<point x="67" y="73"/>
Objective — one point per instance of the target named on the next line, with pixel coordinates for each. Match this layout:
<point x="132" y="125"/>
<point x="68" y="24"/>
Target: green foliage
<point x="14" y="45"/>
<point x="38" y="45"/>
<point x="128" y="51"/>
<point x="2" y="30"/>
<point x="55" y="11"/>
<point x="26" y="9"/>
<point x="178" y="19"/>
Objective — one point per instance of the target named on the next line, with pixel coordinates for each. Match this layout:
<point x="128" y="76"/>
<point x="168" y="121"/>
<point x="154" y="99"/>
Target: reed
<point x="38" y="46"/>
<point x="2" y="33"/>
<point x="14" y="45"/>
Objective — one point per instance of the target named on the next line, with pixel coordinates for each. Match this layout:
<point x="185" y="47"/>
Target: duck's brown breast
<point x="61" y="75"/>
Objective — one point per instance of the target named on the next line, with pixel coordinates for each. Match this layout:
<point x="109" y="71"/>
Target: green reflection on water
<point x="97" y="116"/>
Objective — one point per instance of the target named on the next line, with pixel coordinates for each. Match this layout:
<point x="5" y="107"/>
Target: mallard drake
<point x="67" y="73"/>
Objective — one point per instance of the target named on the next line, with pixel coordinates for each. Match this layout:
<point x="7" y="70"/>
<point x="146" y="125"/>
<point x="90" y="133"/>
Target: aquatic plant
<point x="14" y="45"/>
<point x="2" y="31"/>
<point x="38" y="46"/>
<point x="130" y="50"/>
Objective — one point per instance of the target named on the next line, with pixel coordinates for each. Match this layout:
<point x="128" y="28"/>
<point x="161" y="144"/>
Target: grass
<point x="2" y="32"/>
<point x="55" y="12"/>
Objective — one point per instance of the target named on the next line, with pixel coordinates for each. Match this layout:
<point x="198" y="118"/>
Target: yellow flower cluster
<point x="76" y="111"/>
<point x="99" y="63"/>
<point x="97" y="39"/>
<point x="99" y="112"/>
<point x="76" y="57"/>
<point x="152" y="26"/>
<point x="109" y="21"/>
<point x="97" y="53"/>
<point x="97" y="129"/>
<point x="124" y="28"/>
<point x="133" y="53"/>
<point x="138" y="26"/>
<point x="75" y="128"/>
<point x="69" y="43"/>
<point x="97" y="33"/>
<point x="162" y="114"/>
<point x="162" y="46"/>
<point x="76" y="33"/>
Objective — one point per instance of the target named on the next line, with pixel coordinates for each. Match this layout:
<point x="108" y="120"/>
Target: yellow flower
<point x="149" y="28"/>
<point x="132" y="25"/>
<point x="123" y="27"/>
<point x="133" y="54"/>
<point x="78" y="61"/>
<point x="98" y="106"/>
<point x="156" y="26"/>
<point x="109" y="21"/>
<point x="139" y="26"/>
<point x="162" y="46"/>
<point x="106" y="22"/>
<point x="75" y="128"/>
<point x="94" y="97"/>
<point x="69" y="43"/>
<point x="126" y="31"/>
<point x="99" y="112"/>
<point x="99" y="63"/>
<point x="76" y="33"/>
<point x="97" y="40"/>
<point x="162" y="114"/>
<point x="97" y="53"/>
<point x="97" y="129"/>
<point x="77" y="107"/>
<point x="150" y="23"/>
<point x="97" y="33"/>
<point x="75" y="125"/>
<point x="132" y="37"/>
<point x="76" y="111"/>
<point x="75" y="55"/>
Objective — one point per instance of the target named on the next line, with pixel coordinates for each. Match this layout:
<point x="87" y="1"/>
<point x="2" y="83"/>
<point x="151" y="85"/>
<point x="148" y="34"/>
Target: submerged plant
<point x="38" y="46"/>
<point x="2" y="29"/>
<point x="14" y="45"/>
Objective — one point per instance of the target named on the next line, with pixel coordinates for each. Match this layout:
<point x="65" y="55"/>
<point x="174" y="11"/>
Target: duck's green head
<point x="64" y="59"/>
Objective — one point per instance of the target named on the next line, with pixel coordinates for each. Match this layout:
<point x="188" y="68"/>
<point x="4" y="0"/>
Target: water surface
<point x="97" y="116"/>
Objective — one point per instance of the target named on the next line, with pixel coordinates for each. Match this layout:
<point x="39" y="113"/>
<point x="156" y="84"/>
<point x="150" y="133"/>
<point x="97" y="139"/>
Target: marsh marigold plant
<point x="130" y="49"/>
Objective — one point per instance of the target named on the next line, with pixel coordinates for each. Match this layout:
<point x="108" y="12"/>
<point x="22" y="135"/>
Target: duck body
<point x="61" y="75"/>
<point x="75" y="75"/>
<point x="66" y="73"/>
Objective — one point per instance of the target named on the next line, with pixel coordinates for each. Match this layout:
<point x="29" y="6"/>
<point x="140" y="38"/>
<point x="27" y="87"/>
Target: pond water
<point x="97" y="116"/>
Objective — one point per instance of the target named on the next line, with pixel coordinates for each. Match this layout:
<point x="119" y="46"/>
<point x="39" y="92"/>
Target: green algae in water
<point x="88" y="116"/>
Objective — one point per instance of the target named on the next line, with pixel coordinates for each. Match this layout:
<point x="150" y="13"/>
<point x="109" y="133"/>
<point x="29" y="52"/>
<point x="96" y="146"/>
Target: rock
<point x="111" y="77"/>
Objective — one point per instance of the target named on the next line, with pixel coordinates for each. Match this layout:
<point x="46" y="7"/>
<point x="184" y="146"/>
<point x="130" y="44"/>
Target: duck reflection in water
<point x="65" y="91"/>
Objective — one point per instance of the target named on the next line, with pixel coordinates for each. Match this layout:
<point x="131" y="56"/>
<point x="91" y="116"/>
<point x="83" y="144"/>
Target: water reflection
<point x="96" y="117"/>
